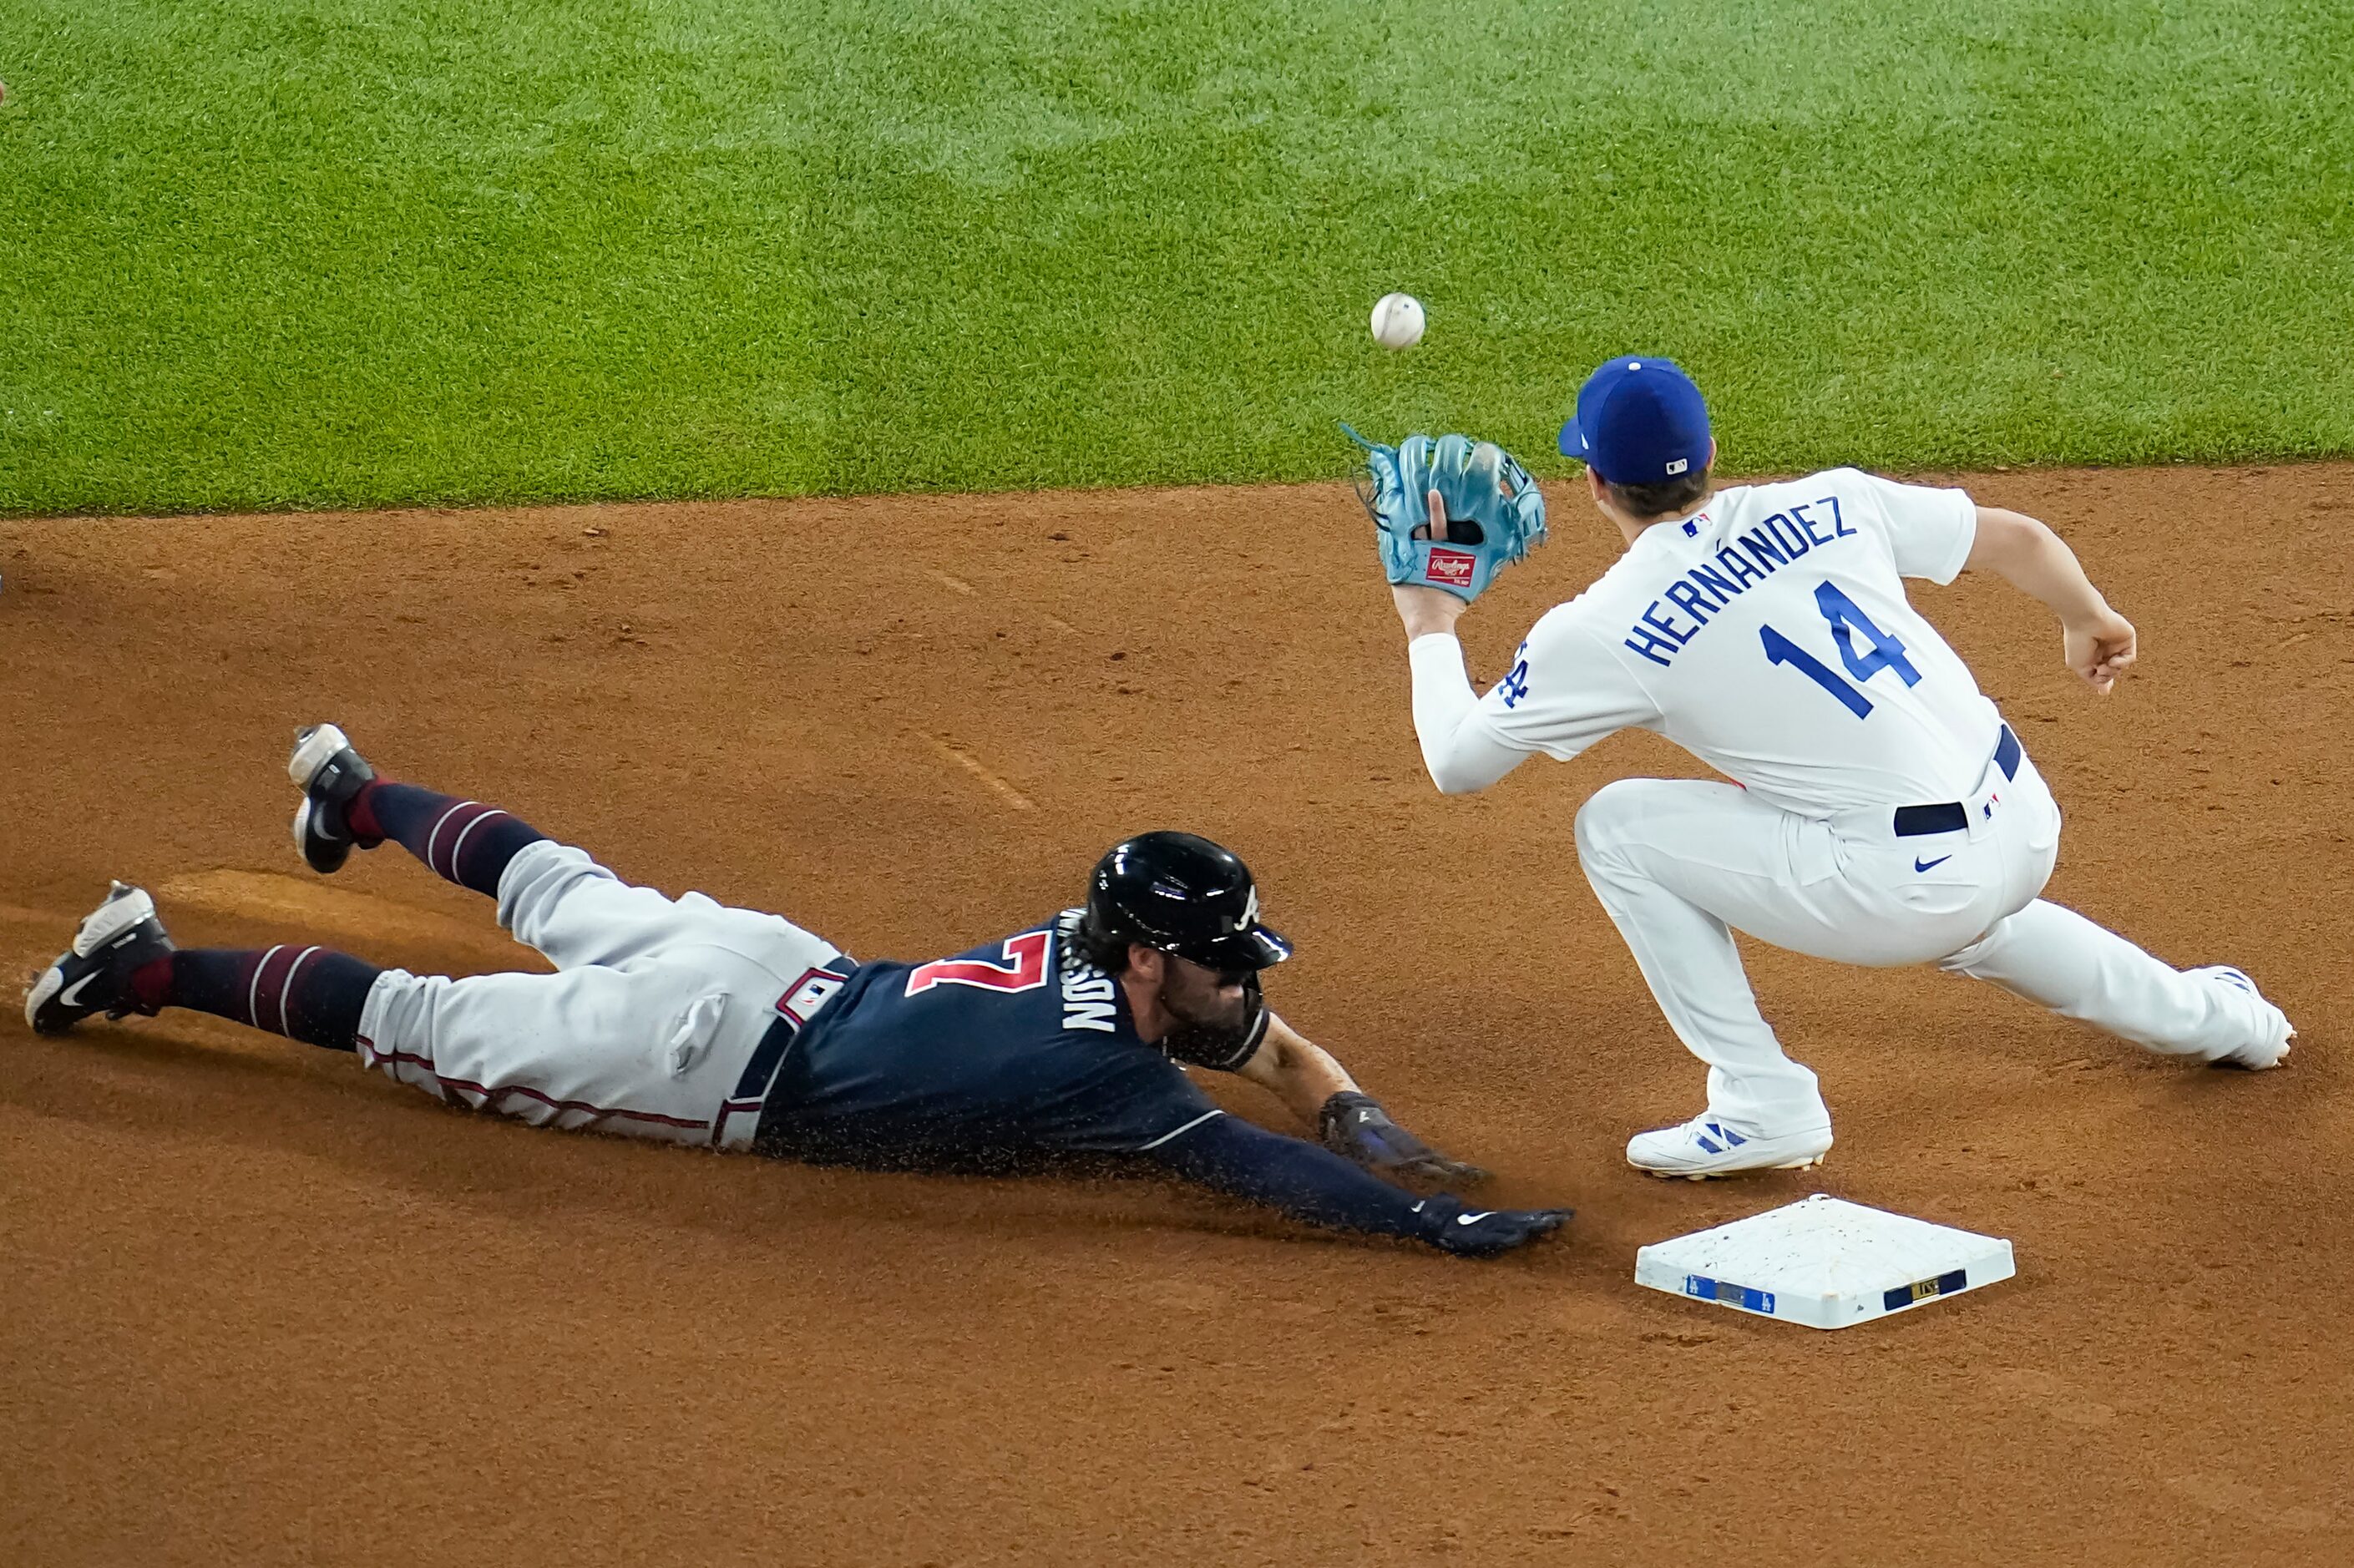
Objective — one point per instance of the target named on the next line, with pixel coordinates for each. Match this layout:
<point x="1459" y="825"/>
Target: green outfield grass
<point x="271" y="253"/>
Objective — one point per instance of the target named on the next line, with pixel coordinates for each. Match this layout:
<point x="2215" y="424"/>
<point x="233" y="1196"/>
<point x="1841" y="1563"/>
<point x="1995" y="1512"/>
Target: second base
<point x="1825" y="1261"/>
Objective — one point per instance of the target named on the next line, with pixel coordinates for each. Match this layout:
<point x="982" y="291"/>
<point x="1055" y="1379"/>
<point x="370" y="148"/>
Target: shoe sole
<point x="52" y="980"/>
<point x="112" y="918"/>
<point x="1808" y="1163"/>
<point x="314" y="749"/>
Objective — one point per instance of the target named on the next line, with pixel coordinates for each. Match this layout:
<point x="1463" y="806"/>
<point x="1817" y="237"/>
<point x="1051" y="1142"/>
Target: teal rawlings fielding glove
<point x="1495" y="514"/>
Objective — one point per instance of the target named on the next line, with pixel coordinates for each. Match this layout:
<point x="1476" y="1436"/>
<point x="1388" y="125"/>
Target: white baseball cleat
<point x="2271" y="1027"/>
<point x="1705" y="1147"/>
<point x="329" y="773"/>
<point x="93" y="976"/>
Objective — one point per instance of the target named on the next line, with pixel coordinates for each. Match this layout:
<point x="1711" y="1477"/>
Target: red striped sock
<point x="464" y="840"/>
<point x="305" y="992"/>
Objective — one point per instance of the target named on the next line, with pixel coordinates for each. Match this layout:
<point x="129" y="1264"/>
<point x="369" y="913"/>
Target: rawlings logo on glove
<point x="1490" y="512"/>
<point x="1450" y="568"/>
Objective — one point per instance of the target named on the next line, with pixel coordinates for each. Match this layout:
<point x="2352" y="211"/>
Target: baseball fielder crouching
<point x="687" y="1022"/>
<point x="1880" y="811"/>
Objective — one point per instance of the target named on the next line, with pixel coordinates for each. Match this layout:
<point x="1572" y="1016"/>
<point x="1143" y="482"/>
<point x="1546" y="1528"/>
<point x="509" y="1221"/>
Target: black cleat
<point x="93" y="976"/>
<point x="329" y="773"/>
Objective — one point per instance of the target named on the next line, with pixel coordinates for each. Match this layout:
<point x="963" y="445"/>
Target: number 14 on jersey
<point x="1846" y="621"/>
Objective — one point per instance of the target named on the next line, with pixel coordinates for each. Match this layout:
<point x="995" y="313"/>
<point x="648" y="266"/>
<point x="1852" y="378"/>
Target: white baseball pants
<point x="1681" y="864"/>
<point x="646" y="1028"/>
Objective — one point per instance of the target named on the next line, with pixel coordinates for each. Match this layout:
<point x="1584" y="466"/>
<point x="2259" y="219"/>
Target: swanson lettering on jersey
<point x="1087" y="995"/>
<point x="1750" y="558"/>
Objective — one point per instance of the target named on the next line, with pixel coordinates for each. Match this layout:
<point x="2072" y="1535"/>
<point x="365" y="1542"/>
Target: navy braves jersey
<point x="1019" y="1047"/>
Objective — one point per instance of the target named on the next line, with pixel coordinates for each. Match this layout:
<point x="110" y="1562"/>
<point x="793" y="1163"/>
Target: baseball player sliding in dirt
<point x="687" y="1022"/>
<point x="1880" y="812"/>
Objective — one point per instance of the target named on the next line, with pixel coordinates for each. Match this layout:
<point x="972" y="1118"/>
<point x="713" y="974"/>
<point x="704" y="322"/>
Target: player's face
<point x="1205" y="998"/>
<point x="1212" y="1013"/>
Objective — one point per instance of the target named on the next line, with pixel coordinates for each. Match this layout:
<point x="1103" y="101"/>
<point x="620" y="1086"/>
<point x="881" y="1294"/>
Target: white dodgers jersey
<point x="1769" y="635"/>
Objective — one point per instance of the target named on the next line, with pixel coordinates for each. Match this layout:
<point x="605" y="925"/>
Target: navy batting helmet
<point x="1182" y="894"/>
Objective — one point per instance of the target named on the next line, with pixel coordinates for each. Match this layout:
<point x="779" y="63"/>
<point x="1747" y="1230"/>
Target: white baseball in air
<point x="1398" y="320"/>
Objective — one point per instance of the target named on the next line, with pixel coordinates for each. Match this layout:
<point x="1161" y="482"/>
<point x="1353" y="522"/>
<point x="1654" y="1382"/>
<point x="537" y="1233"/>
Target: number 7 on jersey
<point x="1025" y="968"/>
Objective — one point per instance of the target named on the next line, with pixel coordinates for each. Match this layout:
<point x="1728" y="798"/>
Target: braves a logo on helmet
<point x="1451" y="569"/>
<point x="1249" y="917"/>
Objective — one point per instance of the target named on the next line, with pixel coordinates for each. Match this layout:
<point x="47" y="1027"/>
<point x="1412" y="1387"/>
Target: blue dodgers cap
<point x="1639" y="421"/>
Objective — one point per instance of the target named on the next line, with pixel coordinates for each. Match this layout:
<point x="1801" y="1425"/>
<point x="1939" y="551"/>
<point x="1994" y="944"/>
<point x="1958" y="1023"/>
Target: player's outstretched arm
<point x="1316" y="1186"/>
<point x="1296" y="1070"/>
<point x="1348" y="1122"/>
<point x="2097" y="642"/>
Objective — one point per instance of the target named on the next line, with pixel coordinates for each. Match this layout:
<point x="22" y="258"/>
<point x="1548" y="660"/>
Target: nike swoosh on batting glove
<point x="1451" y="1227"/>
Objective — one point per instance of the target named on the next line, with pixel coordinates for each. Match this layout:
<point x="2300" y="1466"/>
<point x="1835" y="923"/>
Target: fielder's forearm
<point x="1460" y="754"/>
<point x="2033" y="559"/>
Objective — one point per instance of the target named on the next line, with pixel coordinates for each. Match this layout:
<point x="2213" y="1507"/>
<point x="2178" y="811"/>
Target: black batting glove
<point x="1354" y="1126"/>
<point x="1451" y="1227"/>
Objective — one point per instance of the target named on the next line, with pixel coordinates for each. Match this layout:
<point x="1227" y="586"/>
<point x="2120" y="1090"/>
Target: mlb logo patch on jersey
<point x="1451" y="569"/>
<point x="811" y="992"/>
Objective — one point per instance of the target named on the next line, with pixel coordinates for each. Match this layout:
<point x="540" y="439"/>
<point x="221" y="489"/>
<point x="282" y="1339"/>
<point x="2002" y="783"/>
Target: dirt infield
<point x="257" y="1309"/>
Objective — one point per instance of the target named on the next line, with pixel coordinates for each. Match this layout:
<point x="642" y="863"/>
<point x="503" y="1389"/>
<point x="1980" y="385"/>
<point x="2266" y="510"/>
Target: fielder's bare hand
<point x="2099" y="647"/>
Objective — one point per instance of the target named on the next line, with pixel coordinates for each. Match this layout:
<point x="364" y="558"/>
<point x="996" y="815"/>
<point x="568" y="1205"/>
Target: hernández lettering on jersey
<point x="1774" y="642"/>
<point x="1748" y="557"/>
